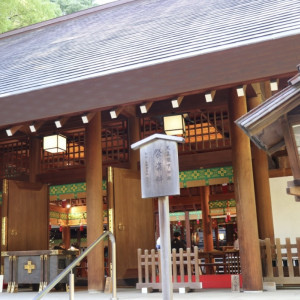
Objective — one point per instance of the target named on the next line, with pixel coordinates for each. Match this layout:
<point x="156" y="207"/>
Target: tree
<point x="19" y="13"/>
<point x="71" y="6"/>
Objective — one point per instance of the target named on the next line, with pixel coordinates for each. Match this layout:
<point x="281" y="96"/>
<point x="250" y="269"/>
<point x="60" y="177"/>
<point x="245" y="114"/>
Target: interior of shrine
<point x="205" y="160"/>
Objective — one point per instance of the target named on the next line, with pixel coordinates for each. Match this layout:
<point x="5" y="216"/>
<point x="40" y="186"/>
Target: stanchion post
<point x="165" y="246"/>
<point x="71" y="286"/>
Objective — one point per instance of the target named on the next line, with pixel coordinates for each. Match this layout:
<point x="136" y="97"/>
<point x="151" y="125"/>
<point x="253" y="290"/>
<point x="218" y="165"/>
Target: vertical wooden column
<point x="206" y="220"/>
<point x="66" y="236"/>
<point x="187" y="229"/>
<point x="261" y="180"/>
<point x="4" y="222"/>
<point x="34" y="158"/>
<point x="217" y="238"/>
<point x="111" y="212"/>
<point x="94" y="203"/>
<point x="245" y="199"/>
<point x="78" y="238"/>
<point x="134" y="136"/>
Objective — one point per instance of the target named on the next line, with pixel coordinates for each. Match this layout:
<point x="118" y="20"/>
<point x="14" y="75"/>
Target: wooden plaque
<point x="159" y="165"/>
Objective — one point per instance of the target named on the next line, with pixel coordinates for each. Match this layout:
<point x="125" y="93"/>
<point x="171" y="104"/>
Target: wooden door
<point x="133" y="221"/>
<point x="27" y="214"/>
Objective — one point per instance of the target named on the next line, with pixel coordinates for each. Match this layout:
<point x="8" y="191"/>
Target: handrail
<point x="69" y="268"/>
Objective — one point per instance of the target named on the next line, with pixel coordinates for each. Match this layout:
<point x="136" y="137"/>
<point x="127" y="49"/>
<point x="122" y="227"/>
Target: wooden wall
<point x="134" y="221"/>
<point x="28" y="216"/>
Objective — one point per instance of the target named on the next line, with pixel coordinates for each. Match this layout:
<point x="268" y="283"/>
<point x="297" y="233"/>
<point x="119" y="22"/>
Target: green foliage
<point x="71" y="6"/>
<point x="19" y="13"/>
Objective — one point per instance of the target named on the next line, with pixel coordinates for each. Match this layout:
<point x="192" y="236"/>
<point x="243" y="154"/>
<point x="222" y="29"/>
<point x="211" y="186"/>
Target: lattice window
<point x="115" y="145"/>
<point x="74" y="156"/>
<point x="14" y="159"/>
<point x="204" y="130"/>
<point x="114" y="141"/>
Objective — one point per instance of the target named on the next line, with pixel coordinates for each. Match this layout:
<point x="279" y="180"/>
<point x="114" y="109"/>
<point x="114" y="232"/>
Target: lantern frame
<point x="55" y="143"/>
<point x="174" y="125"/>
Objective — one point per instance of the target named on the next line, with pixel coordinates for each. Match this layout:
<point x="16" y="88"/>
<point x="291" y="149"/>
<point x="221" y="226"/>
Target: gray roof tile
<point x="136" y="34"/>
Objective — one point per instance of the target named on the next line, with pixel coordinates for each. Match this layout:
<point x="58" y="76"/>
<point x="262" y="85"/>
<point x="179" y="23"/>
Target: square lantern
<point x="55" y="143"/>
<point x="174" y="125"/>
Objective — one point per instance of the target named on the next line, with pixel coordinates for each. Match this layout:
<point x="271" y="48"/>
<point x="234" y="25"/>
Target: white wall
<point x="286" y="211"/>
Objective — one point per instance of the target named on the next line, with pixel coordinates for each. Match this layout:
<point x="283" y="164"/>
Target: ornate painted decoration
<point x="204" y="177"/>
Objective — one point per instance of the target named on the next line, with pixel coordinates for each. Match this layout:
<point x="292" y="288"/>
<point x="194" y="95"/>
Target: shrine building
<point x="101" y="79"/>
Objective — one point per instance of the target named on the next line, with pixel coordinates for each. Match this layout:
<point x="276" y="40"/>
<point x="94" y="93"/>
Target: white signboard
<point x="159" y="165"/>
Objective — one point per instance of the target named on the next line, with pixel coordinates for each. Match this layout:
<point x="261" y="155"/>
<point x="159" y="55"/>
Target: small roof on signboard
<point x="156" y="136"/>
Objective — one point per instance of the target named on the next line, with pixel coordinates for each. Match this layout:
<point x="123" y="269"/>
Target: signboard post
<point x="160" y="178"/>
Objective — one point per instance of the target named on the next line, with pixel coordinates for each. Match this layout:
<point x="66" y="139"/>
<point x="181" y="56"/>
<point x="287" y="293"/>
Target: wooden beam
<point x="280" y="172"/>
<point x="12" y="130"/>
<point x="226" y="196"/>
<point x="210" y="159"/>
<point x="128" y="111"/>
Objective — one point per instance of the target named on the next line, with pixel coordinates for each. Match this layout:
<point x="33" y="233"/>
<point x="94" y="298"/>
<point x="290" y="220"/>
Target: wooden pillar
<point x="66" y="236"/>
<point x="261" y="181"/>
<point x="34" y="158"/>
<point x="78" y="233"/>
<point x="187" y="230"/>
<point x="245" y="199"/>
<point x="134" y="136"/>
<point x="206" y="220"/>
<point x="4" y="222"/>
<point x="94" y="203"/>
<point x="217" y="237"/>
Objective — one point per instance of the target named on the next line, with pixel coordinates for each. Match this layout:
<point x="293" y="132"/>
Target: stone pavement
<point x="133" y="294"/>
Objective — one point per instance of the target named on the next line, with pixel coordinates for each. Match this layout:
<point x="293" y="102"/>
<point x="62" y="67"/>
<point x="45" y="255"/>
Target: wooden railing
<point x="187" y="267"/>
<point x="280" y="262"/>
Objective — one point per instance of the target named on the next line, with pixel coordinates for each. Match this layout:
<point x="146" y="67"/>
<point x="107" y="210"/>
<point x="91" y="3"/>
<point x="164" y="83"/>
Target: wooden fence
<point x="187" y="267"/>
<point x="280" y="262"/>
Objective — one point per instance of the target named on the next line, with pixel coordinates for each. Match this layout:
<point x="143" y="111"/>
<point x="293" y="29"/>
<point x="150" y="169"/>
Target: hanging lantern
<point x="228" y="217"/>
<point x="55" y="143"/>
<point x="198" y="221"/>
<point x="179" y="222"/>
<point x="50" y="227"/>
<point x="60" y="228"/>
<point x="81" y="227"/>
<point x="174" y="125"/>
<point x="224" y="188"/>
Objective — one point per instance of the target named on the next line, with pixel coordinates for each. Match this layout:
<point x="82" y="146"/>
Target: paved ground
<point x="133" y="294"/>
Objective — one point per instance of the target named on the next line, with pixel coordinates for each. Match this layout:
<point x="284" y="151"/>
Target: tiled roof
<point x="136" y="34"/>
